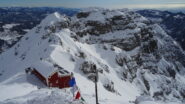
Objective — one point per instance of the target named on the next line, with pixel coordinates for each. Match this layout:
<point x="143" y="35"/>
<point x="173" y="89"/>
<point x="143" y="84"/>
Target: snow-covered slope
<point x="133" y="58"/>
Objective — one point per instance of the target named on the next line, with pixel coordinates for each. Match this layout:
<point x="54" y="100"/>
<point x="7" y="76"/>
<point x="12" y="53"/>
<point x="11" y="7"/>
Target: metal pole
<point x="96" y="87"/>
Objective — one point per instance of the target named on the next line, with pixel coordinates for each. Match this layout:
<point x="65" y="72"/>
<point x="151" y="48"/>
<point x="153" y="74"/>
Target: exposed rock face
<point x="88" y="69"/>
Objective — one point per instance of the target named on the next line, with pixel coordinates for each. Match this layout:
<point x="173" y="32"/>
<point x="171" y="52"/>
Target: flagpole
<point x="96" y="87"/>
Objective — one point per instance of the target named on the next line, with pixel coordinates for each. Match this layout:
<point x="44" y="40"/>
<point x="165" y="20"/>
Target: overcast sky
<point x="95" y="3"/>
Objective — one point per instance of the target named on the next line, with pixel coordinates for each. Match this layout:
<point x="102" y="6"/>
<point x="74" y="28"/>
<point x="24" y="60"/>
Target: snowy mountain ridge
<point x="172" y="23"/>
<point x="133" y="56"/>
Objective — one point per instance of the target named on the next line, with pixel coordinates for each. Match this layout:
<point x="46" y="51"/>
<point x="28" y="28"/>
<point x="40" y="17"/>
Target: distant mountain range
<point x="27" y="18"/>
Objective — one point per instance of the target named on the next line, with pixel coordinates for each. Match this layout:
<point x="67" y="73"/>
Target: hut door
<point x="60" y="83"/>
